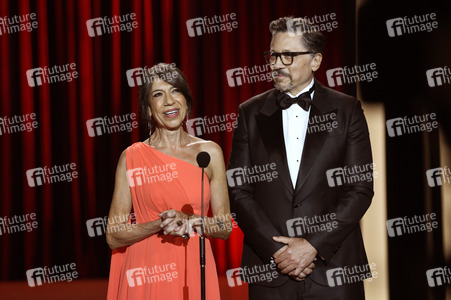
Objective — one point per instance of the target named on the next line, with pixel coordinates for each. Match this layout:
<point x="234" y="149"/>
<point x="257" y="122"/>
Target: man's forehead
<point x="283" y="39"/>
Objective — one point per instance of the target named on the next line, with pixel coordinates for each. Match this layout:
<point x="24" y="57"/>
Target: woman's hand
<point x="174" y="222"/>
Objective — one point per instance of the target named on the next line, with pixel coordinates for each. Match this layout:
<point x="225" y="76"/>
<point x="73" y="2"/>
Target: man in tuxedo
<point x="303" y="158"/>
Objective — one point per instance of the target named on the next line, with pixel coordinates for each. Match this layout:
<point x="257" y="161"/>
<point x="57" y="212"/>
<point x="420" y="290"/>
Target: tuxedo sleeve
<point x="252" y="220"/>
<point x="354" y="198"/>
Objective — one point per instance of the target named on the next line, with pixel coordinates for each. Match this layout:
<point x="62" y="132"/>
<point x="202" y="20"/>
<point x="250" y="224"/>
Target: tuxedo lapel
<point x="313" y="140"/>
<point x="269" y="121"/>
<point x="312" y="147"/>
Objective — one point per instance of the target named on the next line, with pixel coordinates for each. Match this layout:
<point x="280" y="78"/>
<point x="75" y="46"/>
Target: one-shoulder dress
<point x="162" y="266"/>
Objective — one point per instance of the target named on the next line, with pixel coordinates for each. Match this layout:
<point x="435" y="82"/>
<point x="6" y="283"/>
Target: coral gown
<point x="162" y="266"/>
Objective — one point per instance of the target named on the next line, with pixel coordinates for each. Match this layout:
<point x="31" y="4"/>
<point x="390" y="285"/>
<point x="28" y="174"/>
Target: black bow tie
<point x="304" y="100"/>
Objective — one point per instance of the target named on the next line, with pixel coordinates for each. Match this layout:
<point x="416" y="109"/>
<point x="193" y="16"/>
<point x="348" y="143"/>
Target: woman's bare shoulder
<point x="205" y="145"/>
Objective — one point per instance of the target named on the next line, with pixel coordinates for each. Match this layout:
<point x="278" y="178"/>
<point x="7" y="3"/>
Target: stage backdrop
<point x="94" y="67"/>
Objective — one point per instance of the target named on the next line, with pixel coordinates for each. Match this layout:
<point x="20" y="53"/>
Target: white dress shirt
<point x="295" y="122"/>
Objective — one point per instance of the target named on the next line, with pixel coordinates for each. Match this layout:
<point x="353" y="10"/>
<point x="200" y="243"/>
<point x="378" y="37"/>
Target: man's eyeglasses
<point x="285" y="57"/>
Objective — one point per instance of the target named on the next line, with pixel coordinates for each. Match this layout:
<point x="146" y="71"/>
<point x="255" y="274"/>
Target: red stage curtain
<point x="101" y="89"/>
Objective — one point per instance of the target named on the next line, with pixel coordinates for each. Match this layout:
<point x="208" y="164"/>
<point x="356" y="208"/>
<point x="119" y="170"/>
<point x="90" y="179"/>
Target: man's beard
<point x="285" y="87"/>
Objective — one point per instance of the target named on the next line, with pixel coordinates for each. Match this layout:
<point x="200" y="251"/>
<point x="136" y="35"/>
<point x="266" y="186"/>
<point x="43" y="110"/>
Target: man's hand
<point x="296" y="257"/>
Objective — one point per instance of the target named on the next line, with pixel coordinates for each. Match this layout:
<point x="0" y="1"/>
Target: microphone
<point x="203" y="159"/>
<point x="188" y="210"/>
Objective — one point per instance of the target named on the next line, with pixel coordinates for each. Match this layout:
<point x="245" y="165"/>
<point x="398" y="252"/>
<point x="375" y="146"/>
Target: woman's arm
<point x="218" y="226"/>
<point x="120" y="209"/>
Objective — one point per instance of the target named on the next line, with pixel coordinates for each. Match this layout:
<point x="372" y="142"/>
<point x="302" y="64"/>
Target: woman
<point x="158" y="180"/>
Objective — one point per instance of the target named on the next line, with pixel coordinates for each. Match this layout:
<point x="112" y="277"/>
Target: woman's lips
<point x="173" y="113"/>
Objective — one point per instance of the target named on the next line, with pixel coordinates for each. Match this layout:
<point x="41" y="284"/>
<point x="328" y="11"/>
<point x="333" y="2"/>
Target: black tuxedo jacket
<point x="262" y="208"/>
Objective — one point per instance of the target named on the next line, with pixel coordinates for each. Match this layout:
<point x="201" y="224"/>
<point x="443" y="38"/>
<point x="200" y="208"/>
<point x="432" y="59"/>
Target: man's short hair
<point x="312" y="39"/>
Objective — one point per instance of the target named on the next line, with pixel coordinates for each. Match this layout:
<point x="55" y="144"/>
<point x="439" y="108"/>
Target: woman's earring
<point x="150" y="132"/>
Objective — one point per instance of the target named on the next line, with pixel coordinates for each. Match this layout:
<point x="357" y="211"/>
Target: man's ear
<point x="316" y="61"/>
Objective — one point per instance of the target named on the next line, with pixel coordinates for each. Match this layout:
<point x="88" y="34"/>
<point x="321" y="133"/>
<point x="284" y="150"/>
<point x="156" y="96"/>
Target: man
<point x="305" y="218"/>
